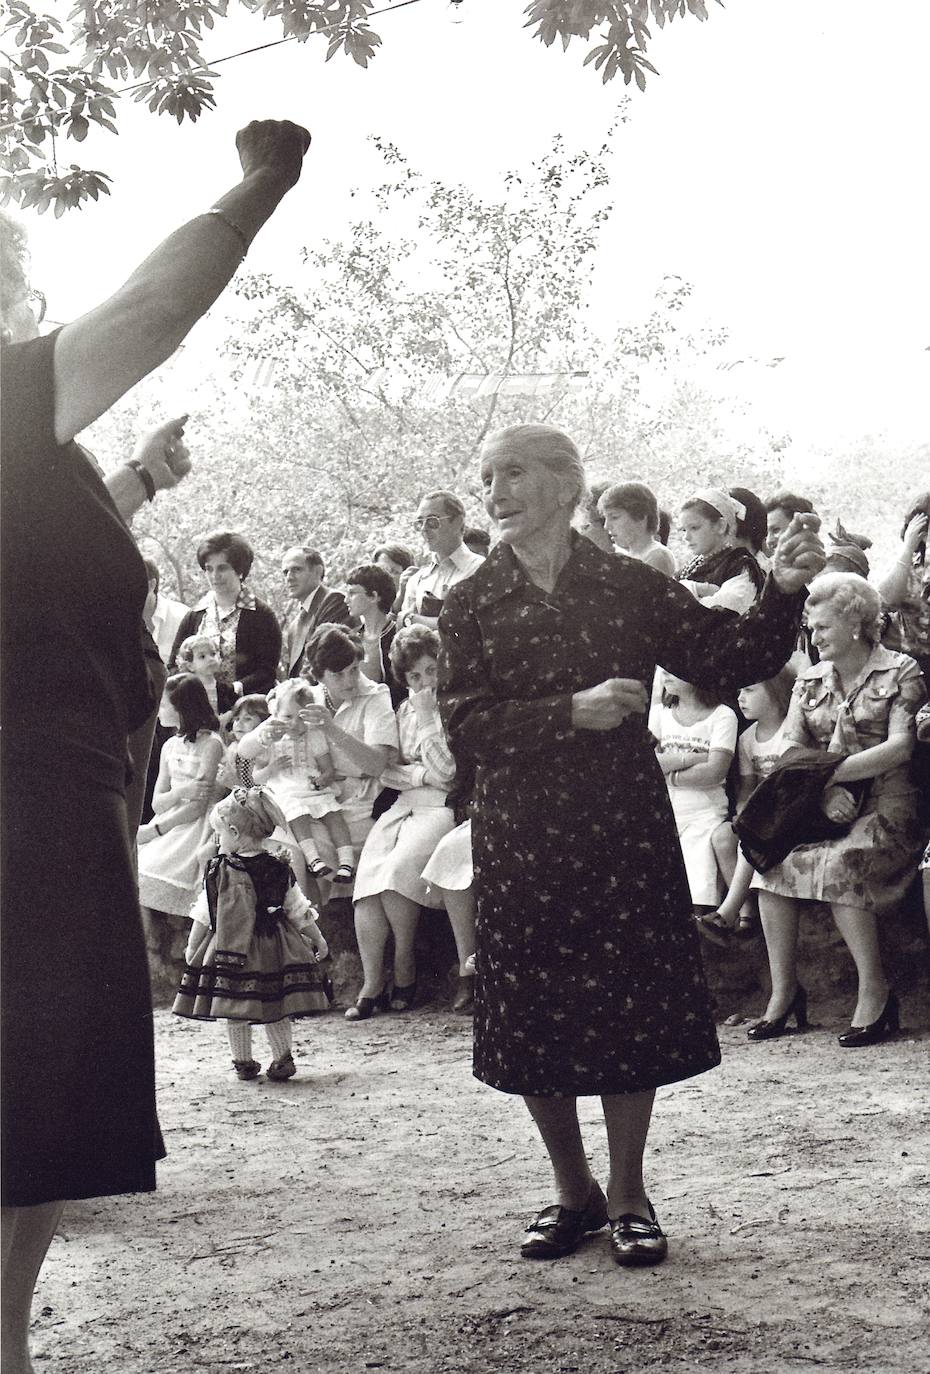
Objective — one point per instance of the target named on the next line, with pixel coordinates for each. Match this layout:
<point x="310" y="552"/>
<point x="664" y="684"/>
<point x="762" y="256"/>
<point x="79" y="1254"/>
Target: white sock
<point x="279" y="1037"/>
<point x="310" y="852"/>
<point x="345" y="854"/>
<point x="240" y="1040"/>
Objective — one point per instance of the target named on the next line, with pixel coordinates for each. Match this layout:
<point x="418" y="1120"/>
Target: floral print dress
<point x="589" y="972"/>
<point x="872" y="865"/>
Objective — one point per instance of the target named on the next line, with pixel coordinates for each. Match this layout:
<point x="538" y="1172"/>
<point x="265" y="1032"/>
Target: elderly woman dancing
<point x="589" y="976"/>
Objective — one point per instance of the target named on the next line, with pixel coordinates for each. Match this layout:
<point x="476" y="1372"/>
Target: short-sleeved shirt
<point x="368" y="717"/>
<point x="758" y="757"/>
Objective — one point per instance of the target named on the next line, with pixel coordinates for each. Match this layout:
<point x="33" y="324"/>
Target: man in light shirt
<point x="440" y="518"/>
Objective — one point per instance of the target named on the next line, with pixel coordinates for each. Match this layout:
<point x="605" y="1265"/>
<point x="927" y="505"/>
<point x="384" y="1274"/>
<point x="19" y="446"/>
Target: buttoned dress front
<point x="873" y="864"/>
<point x="589" y="972"/>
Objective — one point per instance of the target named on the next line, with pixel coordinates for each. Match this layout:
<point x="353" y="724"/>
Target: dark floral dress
<point x="589" y="972"/>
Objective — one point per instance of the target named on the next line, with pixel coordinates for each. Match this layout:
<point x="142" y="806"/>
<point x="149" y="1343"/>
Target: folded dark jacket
<point x="786" y="809"/>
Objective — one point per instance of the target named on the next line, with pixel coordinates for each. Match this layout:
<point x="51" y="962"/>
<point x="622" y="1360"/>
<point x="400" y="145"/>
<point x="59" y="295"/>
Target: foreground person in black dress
<point x="76" y="1001"/>
<point x="589" y="977"/>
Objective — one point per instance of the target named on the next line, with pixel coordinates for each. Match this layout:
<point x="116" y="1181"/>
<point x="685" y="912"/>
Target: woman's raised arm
<point x="101" y="355"/>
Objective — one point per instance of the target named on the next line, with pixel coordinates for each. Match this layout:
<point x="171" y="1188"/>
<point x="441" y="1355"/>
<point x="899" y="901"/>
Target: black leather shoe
<point x="402" y="997"/>
<point x="888" y="1024"/>
<point x="557" y="1231"/>
<point x="464" y="999"/>
<point x="770" y="1030"/>
<point x="638" y="1240"/>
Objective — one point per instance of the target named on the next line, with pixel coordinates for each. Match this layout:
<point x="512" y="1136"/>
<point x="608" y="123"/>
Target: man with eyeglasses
<point x="440" y="518"/>
<point x="302" y="570"/>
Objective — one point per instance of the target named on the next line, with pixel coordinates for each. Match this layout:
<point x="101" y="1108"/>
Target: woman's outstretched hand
<point x="799" y="554"/>
<point x="274" y="146"/>
<point x="164" y="454"/>
<point x="608" y="704"/>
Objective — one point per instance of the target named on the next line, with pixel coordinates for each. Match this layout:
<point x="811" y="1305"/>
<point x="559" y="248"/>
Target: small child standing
<point x="696" y="737"/>
<point x="765" y="704"/>
<point x="247" y="715"/>
<point x="298" y="773"/>
<point x="198" y="654"/>
<point x="255" y="947"/>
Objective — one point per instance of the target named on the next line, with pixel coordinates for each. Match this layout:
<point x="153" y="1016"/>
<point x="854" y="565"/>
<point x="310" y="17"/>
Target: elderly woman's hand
<point x="799" y="554"/>
<point x="164" y="454"/>
<point x="838" y="804"/>
<point x="274" y="146"/>
<point x="607" y="705"/>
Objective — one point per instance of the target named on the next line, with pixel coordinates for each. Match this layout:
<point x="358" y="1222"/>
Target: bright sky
<point x="778" y="163"/>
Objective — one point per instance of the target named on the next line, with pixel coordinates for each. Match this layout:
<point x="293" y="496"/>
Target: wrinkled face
<point x="625" y="532"/>
<point x="344" y="685"/>
<point x="244" y="723"/>
<point x="702" y="535"/>
<point x="753" y="700"/>
<point x="776" y="522"/>
<point x="300" y="580"/>
<point x="442" y="532"/>
<point x="521" y="495"/>
<point x="359" y="601"/>
<point x="222" y="577"/>
<point x="422" y="674"/>
<point x="833" y="635"/>
<point x="205" y="661"/>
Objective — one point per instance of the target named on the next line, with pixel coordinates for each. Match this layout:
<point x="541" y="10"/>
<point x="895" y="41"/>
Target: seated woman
<point x="721" y="573"/>
<point x="370" y="596"/>
<point x="631" y="517"/>
<point x="359" y="727"/>
<point x="389" y="887"/>
<point x="859" y="701"/>
<point x="246" y="630"/>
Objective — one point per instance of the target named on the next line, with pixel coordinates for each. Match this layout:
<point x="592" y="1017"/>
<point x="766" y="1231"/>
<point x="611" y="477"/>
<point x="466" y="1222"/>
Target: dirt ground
<point x="367" y="1216"/>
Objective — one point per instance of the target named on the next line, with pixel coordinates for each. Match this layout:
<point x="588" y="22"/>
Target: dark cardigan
<point x="258" y="645"/>
<point x="785" y="809"/>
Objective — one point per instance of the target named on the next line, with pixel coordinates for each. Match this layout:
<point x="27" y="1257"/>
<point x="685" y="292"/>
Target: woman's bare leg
<point x="461" y="910"/>
<point x="557" y="1122"/>
<point x="627" y="1116"/>
<point x="27" y="1234"/>
<point x="371" y="932"/>
<point x="780" y="921"/>
<point x="403" y="917"/>
<point x="860" y="931"/>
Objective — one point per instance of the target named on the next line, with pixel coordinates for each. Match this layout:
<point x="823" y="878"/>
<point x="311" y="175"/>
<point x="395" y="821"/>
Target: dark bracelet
<point x="144" y="476"/>
<point x="158" y="829"/>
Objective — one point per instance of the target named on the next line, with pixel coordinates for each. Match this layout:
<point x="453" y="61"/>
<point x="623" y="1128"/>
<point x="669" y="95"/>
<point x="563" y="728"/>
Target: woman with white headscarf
<point x="721" y="573"/>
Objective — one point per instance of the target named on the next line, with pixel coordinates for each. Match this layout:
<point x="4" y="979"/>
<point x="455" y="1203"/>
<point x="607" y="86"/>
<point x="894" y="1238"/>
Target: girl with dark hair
<point x="906" y="588"/>
<point x="169" y="870"/>
<point x="631" y="518"/>
<point x="720" y="574"/>
<point x="696" y="737"/>
<point x="255" y="946"/>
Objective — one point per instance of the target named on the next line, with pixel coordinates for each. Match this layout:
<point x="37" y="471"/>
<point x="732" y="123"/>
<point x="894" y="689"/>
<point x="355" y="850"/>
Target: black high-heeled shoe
<point x="770" y="1030"/>
<point x="364" y="1007"/>
<point x="889" y="1023"/>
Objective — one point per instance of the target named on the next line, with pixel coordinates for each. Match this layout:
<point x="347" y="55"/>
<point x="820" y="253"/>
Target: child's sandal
<point x="247" y="1068"/>
<point x="747" y="927"/>
<point x="344" y="874"/>
<point x="319" y="869"/>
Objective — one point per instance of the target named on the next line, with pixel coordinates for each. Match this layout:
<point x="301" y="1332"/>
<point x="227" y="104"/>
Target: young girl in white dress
<point x="292" y="760"/>
<point x="255" y="947"/>
<point x="765" y="704"/>
<point x="696" y="739"/>
<point x="169" y="859"/>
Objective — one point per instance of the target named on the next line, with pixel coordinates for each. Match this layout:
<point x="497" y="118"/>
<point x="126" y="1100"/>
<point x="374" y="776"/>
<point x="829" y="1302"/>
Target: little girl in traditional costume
<point x="254" y="950"/>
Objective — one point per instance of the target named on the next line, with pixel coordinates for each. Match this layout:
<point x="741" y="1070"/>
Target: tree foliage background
<point x="65" y="71"/>
<point x="438" y="318"/>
